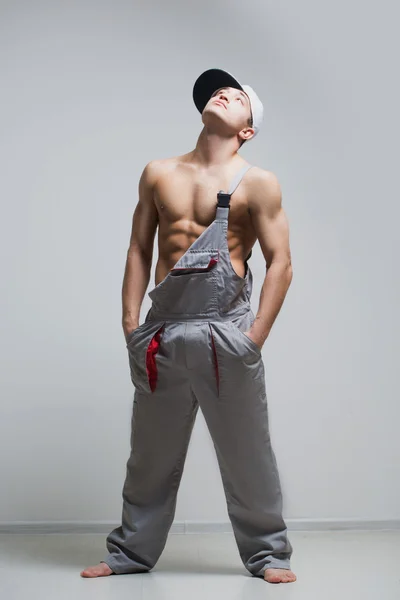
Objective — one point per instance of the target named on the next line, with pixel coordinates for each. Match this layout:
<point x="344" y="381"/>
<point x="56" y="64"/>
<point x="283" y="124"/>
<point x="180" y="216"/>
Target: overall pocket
<point x="245" y="339"/>
<point x="143" y="345"/>
<point x="233" y="342"/>
<point x="131" y="334"/>
<point x="190" y="287"/>
<point x="238" y="363"/>
<point x="195" y="261"/>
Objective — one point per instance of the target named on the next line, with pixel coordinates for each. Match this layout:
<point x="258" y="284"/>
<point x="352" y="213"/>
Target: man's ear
<point x="249" y="132"/>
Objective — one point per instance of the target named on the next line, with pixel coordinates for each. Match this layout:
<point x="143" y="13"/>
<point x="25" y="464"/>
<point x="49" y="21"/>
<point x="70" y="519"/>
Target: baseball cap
<point x="213" y="79"/>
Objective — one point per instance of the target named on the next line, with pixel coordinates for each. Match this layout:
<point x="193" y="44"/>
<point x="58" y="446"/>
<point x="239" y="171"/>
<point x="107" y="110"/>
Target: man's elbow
<point x="284" y="268"/>
<point x="289" y="270"/>
<point x="145" y="254"/>
<point x="282" y="264"/>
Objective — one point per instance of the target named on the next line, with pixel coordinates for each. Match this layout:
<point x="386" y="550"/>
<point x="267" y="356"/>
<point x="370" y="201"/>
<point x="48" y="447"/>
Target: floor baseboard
<point x="191" y="527"/>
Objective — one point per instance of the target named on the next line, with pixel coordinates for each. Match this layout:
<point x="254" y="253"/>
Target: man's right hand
<point x="129" y="328"/>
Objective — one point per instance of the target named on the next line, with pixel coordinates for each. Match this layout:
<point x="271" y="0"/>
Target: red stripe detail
<point x="151" y="364"/>
<point x="215" y="358"/>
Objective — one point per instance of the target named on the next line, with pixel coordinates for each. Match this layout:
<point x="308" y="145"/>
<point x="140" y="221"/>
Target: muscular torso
<point x="185" y="197"/>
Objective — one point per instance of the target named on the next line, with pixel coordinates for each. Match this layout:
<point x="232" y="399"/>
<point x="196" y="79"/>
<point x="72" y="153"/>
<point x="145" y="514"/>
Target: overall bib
<point x="191" y="351"/>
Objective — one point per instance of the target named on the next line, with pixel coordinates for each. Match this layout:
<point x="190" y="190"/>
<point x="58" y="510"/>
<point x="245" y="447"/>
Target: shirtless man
<point x="178" y="195"/>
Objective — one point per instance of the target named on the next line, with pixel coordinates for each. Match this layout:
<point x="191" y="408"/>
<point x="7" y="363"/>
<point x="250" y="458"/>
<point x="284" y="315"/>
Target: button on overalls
<point x="191" y="351"/>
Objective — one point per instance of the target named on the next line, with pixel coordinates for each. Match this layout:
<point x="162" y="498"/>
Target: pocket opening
<point x="132" y="333"/>
<point x="253" y="345"/>
<point x="195" y="263"/>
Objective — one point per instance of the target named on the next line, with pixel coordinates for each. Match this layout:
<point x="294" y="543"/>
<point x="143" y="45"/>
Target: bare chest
<point x="188" y="204"/>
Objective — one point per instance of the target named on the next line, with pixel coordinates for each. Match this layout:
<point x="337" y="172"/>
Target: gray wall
<point x="92" y="91"/>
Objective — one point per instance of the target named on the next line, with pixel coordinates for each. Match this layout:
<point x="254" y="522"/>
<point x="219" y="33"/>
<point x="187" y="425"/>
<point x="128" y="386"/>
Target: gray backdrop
<point x="91" y="92"/>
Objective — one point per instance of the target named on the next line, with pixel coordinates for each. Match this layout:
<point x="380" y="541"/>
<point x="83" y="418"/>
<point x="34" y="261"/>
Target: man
<point x="200" y="344"/>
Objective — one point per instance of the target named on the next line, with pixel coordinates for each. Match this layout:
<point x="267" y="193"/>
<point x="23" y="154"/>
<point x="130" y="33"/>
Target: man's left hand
<point x="257" y="341"/>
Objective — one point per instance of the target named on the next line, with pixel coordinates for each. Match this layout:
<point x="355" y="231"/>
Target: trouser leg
<point x="237" y="418"/>
<point x="162" y="423"/>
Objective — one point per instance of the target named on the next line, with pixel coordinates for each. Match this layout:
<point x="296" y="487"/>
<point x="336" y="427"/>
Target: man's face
<point x="231" y="105"/>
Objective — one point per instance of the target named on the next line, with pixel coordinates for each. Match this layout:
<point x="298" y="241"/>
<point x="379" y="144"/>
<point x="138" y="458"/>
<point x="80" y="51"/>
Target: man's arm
<point x="140" y="251"/>
<point x="272" y="229"/>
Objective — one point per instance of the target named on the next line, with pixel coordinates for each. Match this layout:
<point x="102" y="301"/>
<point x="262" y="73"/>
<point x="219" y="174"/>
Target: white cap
<point x="214" y="79"/>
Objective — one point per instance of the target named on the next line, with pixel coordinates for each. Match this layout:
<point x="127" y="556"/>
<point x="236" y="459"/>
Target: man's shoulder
<point x="157" y="167"/>
<point x="263" y="187"/>
<point x="259" y="175"/>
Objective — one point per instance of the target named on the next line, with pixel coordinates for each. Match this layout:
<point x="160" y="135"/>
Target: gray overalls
<point x="191" y="351"/>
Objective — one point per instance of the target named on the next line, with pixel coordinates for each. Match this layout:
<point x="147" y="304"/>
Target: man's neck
<point x="212" y="150"/>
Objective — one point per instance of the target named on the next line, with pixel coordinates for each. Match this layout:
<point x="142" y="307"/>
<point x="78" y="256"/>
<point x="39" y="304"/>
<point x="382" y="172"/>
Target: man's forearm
<point x="273" y="292"/>
<point x="136" y="280"/>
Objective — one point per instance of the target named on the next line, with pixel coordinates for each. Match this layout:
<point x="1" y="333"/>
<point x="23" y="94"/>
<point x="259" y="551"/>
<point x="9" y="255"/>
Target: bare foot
<point x="100" y="570"/>
<point x="279" y="575"/>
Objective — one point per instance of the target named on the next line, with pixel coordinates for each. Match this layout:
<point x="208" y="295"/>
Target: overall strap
<point x="238" y="178"/>
<point x="224" y="197"/>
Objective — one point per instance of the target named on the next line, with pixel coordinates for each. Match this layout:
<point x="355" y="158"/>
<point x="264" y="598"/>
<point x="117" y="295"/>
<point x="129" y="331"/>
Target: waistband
<point x="238" y="311"/>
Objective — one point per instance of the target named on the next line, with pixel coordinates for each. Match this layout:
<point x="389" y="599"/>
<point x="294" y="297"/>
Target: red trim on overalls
<point x="151" y="364"/>
<point x="213" y="261"/>
<point x="215" y="358"/>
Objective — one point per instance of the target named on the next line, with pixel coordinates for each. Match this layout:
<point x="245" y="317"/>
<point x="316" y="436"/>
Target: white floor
<point x="338" y="565"/>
